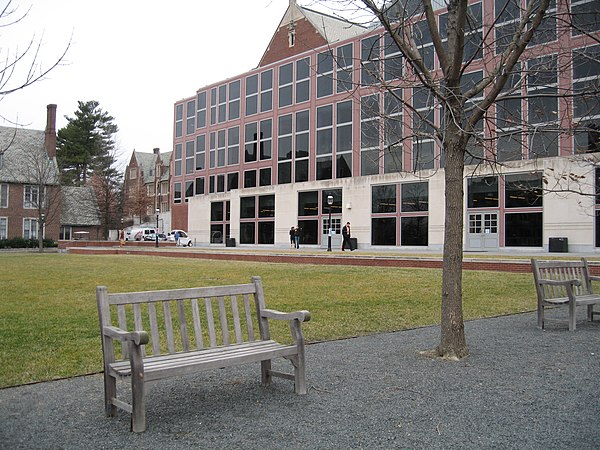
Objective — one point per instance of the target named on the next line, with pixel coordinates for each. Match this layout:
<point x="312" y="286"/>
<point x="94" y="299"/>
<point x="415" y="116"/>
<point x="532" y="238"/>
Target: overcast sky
<point x="135" y="57"/>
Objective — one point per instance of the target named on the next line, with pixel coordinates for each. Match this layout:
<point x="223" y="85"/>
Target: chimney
<point x="156" y="151"/>
<point x="50" y="137"/>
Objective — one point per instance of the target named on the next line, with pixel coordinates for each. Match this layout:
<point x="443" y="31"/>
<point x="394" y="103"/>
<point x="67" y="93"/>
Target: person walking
<point x="297" y="232"/>
<point x="176" y="239"/>
<point x="292" y="237"/>
<point x="346" y="235"/>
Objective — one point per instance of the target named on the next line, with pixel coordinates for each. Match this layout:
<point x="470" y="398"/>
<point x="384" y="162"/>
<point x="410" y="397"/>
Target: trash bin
<point x="558" y="245"/>
<point x="230" y="242"/>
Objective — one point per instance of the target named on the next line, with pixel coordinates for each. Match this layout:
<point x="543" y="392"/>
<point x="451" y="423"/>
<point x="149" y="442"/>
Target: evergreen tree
<point x="86" y="144"/>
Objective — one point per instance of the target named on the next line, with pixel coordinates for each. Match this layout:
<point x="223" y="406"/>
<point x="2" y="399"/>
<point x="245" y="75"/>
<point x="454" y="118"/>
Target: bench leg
<point x="572" y="316"/>
<point x="138" y="399"/>
<point x="299" y="374"/>
<point x="265" y="370"/>
<point x="110" y="392"/>
<point x="540" y="316"/>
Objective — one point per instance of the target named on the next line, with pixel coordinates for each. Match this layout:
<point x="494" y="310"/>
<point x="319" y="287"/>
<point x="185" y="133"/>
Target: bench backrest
<point x="560" y="271"/>
<point x="181" y="320"/>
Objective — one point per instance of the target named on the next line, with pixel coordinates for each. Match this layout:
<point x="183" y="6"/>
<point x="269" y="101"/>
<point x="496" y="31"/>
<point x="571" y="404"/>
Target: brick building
<point x="30" y="196"/>
<point x="262" y="151"/>
<point x="147" y="188"/>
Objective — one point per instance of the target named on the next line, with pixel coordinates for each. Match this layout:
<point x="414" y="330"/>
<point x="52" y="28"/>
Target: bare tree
<point x="38" y="173"/>
<point x="485" y="65"/>
<point x="138" y="201"/>
<point x="22" y="67"/>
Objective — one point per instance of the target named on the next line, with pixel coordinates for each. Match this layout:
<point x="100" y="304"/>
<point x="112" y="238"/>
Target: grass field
<point x="49" y="325"/>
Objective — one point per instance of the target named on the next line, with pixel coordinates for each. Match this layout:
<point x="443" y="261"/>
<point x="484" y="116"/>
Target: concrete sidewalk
<point x="520" y="388"/>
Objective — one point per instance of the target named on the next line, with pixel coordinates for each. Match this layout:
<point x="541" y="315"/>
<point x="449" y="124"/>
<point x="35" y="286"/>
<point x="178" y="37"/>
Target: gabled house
<point x="30" y="200"/>
<point x="147" y="189"/>
<point x="79" y="217"/>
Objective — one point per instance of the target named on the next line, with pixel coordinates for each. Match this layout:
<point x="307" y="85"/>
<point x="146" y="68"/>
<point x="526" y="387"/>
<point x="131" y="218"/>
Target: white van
<point x="137" y="234"/>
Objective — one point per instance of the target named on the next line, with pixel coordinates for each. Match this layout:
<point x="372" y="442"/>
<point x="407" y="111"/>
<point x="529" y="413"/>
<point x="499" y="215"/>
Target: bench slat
<point x="154" y="329"/>
<point x="210" y="321"/>
<point x="122" y="317"/>
<point x="169" y="327"/>
<point x="185" y="341"/>
<point x="223" y="320"/>
<point x="177" y="294"/>
<point x="236" y="320"/>
<point x="189" y="362"/>
<point x="197" y="325"/>
<point x="248" y="311"/>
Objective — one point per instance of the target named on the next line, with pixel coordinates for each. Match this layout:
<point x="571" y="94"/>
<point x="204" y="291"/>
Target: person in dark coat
<point x="292" y="237"/>
<point x="297" y="232"/>
<point x="346" y="235"/>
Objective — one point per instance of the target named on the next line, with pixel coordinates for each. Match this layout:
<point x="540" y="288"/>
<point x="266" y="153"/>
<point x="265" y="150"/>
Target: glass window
<point x="189" y="157"/>
<point x="266" y="135"/>
<point x="190" y="117"/>
<point x="414" y="230"/>
<point x="232" y="181"/>
<point x="392" y="64"/>
<point x="189" y="189"/>
<point x="586" y="16"/>
<point x="344" y="68"/>
<point x="266" y="232"/>
<point x="200" y="186"/>
<point x="31" y="196"/>
<point x="178" y="120"/>
<point x="247" y="232"/>
<point x="251" y="95"/>
<point x="177" y="193"/>
<point x="248" y="207"/>
<point x="324" y="74"/>
<point x="309" y="231"/>
<point x="523" y="190"/>
<point x="383" y="231"/>
<point x="308" y="203"/>
<point x="3" y="195"/>
<point x="336" y="208"/>
<point x="523" y="229"/>
<point x="302" y="80"/>
<point x="369" y="60"/>
<point x="482" y="192"/>
<point x="415" y="197"/>
<point x="233" y="146"/>
<point x="216" y="211"/>
<point x="266" y="91"/>
<point x="201" y="152"/>
<point x="250" y="178"/>
<point x="383" y="199"/>
<point x="266" y="206"/>
<point x="265" y="176"/>
<point x="251" y="142"/>
<point x="284" y="172"/>
<point x="286" y="80"/>
<point x="201" y="113"/>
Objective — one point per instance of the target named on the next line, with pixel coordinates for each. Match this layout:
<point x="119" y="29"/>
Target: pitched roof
<point x="146" y="163"/>
<point x="79" y="206"/>
<point x="329" y="29"/>
<point x="24" y="158"/>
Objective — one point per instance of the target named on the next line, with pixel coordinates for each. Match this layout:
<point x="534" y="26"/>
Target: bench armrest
<point x="302" y="316"/>
<point x="138" y="337"/>
<point x="594" y="278"/>
<point x="573" y="282"/>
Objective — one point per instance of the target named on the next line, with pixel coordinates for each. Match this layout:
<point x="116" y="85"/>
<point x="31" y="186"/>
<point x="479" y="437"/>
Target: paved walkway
<point x="520" y="388"/>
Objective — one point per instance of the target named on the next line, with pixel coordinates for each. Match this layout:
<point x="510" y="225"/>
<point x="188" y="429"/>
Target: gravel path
<point x="519" y="388"/>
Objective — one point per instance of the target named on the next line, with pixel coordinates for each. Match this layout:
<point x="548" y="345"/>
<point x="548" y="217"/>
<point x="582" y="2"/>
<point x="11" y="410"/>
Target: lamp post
<point x="156" y="231"/>
<point x="329" y="202"/>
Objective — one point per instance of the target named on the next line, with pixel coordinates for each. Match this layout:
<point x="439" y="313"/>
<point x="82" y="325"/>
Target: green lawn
<point x="49" y="325"/>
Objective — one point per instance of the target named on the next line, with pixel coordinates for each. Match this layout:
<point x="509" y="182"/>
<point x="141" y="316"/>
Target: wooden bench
<point x="185" y="336"/>
<point x="566" y="283"/>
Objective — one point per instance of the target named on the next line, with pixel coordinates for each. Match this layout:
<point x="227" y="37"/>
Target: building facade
<point x="146" y="189"/>
<point x="30" y="196"/>
<point x="262" y="151"/>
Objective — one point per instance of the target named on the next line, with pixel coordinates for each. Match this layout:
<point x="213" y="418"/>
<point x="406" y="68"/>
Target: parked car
<point x="139" y="234"/>
<point x="184" y="239"/>
<point x="152" y="237"/>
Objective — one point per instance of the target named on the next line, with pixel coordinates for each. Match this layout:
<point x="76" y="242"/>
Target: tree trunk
<point x="453" y="343"/>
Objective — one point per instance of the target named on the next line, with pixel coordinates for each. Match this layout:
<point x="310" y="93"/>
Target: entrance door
<point x="482" y="234"/>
